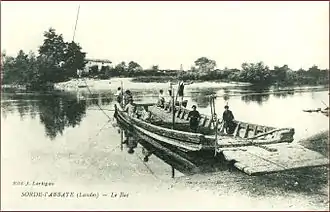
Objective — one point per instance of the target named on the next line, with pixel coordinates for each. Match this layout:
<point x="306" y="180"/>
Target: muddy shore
<point x="302" y="189"/>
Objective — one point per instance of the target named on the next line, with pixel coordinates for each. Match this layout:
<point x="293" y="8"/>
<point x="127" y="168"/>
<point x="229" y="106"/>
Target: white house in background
<point x="98" y="62"/>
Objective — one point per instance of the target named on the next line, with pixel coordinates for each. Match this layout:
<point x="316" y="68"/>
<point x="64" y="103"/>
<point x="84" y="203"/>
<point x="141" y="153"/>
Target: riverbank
<point x="75" y="85"/>
<point x="114" y="83"/>
<point x="303" y="189"/>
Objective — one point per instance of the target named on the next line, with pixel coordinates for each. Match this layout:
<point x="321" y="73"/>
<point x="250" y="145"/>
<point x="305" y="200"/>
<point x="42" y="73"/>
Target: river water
<point x="64" y="137"/>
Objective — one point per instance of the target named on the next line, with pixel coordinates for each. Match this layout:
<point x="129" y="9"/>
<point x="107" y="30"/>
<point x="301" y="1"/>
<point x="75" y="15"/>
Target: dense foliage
<point x="56" y="61"/>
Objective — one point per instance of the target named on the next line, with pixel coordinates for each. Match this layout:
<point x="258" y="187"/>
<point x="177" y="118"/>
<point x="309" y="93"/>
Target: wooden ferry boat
<point x="160" y="128"/>
<point x="252" y="148"/>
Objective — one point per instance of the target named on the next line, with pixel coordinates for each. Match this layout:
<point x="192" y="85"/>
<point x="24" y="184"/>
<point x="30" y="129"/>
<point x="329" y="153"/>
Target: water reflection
<point x="185" y="162"/>
<point x="259" y="98"/>
<point x="56" y="111"/>
<point x="201" y="96"/>
<point x="284" y="94"/>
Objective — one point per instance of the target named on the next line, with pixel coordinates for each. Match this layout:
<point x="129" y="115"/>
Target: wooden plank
<point x="177" y="113"/>
<point x="185" y="145"/>
<point x="182" y="114"/>
<point x="256" y="160"/>
<point x="255" y="131"/>
<point x="202" y="121"/>
<point x="186" y="116"/>
<point x="246" y="133"/>
<point x="143" y="104"/>
<point x="237" y="130"/>
<point x="289" y="130"/>
<point x="180" y="135"/>
<point x="207" y="122"/>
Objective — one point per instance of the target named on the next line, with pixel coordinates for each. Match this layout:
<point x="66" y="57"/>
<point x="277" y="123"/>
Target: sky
<point x="169" y="34"/>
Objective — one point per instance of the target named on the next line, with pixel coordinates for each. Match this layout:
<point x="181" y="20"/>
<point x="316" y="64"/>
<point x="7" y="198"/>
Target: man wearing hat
<point x="194" y="117"/>
<point x="227" y="118"/>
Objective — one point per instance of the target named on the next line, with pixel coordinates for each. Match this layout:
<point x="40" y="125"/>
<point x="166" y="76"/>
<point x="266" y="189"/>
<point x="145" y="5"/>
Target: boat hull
<point x="188" y="141"/>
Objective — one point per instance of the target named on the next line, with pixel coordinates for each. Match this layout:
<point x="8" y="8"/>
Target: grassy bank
<point x="318" y="142"/>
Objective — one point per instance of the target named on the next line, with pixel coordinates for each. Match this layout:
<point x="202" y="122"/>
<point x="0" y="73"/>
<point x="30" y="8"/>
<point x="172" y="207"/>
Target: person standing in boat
<point x="228" y="119"/>
<point x="170" y="88"/>
<point x="194" y="117"/>
<point x="127" y="97"/>
<point x="161" y="99"/>
<point x="119" y="95"/>
<point x="130" y="108"/>
<point x="180" y="92"/>
<point x="170" y="93"/>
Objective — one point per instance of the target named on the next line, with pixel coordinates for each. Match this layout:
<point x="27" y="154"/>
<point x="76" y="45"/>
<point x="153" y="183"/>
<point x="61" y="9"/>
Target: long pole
<point x="122" y="94"/>
<point x="75" y="27"/>
<point x="212" y="114"/>
<point x="121" y="139"/>
<point x="216" y="128"/>
<point x="173" y="108"/>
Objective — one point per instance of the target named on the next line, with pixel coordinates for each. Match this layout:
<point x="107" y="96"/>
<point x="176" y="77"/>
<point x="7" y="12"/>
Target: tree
<point x="59" y="60"/>
<point x="8" y="70"/>
<point x="105" y="72"/>
<point x="255" y="73"/>
<point x="121" y="68"/>
<point x="134" y="67"/>
<point x="51" y="56"/>
<point x="94" y="70"/>
<point x="53" y="47"/>
<point x="205" y="65"/>
<point x="155" y="68"/>
<point x="33" y="70"/>
<point x="74" y="60"/>
<point x="17" y="70"/>
<point x="279" y="74"/>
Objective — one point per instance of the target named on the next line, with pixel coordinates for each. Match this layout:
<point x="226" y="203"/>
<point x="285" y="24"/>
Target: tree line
<point x="257" y="73"/>
<point x="58" y="61"/>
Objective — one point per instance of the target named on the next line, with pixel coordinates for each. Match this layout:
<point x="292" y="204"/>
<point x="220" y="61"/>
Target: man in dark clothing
<point x="180" y="92"/>
<point x="227" y="118"/>
<point x="194" y="117"/>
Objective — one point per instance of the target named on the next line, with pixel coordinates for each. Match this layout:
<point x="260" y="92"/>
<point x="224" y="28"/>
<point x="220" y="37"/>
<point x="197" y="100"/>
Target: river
<point x="64" y="138"/>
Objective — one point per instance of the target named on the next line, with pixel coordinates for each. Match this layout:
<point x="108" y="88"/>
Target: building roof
<point x="98" y="60"/>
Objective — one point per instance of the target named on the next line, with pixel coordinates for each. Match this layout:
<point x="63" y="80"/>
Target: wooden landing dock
<point x="273" y="158"/>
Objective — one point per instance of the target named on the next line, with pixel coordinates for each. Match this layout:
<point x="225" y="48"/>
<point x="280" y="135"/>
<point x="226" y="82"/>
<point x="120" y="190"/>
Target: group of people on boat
<point x="162" y="98"/>
<point x="227" y="119"/>
<point x="126" y="99"/>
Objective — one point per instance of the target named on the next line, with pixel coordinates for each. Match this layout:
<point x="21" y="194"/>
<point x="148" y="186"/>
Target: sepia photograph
<point x="164" y="105"/>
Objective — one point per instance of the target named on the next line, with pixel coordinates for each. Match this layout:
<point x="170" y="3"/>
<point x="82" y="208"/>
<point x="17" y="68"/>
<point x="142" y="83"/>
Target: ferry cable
<point x="97" y="103"/>
<point x="109" y="118"/>
<point x="98" y="132"/>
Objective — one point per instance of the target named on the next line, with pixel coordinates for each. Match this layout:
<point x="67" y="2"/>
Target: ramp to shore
<point x="273" y="158"/>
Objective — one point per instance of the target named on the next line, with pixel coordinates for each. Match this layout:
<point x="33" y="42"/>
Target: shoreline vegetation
<point x="59" y="61"/>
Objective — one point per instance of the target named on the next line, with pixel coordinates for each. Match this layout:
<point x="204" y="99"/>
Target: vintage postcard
<point x="164" y="105"/>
